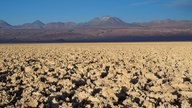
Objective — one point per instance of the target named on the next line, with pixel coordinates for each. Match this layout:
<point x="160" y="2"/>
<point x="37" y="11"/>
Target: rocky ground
<point x="100" y="75"/>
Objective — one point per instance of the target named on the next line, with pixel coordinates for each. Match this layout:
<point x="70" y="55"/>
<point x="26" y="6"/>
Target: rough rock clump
<point x="98" y="75"/>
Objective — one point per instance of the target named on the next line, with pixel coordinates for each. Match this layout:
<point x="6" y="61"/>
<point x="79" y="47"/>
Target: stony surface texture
<point x="100" y="75"/>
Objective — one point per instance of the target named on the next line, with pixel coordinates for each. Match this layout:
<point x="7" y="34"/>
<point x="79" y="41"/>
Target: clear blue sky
<point x="22" y="11"/>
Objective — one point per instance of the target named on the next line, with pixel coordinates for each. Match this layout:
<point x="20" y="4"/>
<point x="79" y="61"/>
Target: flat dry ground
<point x="96" y="75"/>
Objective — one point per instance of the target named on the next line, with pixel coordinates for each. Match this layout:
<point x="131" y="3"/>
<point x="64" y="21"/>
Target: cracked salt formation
<point x="96" y="75"/>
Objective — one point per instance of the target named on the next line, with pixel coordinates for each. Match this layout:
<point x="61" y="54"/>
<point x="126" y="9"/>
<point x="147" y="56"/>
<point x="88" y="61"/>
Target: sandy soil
<point x="96" y="75"/>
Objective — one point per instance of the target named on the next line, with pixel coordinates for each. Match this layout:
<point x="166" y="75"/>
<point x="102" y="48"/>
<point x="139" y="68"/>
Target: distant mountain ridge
<point x="34" y="25"/>
<point x="103" y="21"/>
<point x="4" y="24"/>
<point x="97" y="29"/>
<point x="107" y="21"/>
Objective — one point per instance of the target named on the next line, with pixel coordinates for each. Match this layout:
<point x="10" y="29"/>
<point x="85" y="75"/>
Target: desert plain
<point x="99" y="75"/>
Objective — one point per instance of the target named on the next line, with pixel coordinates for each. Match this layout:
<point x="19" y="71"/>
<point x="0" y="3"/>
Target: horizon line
<point x="91" y="19"/>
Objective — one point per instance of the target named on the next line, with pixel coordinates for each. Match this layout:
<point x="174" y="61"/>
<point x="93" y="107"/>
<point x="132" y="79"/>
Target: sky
<point x="17" y="12"/>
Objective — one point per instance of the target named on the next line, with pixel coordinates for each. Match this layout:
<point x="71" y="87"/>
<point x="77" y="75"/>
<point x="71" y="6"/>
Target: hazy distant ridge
<point x="97" y="29"/>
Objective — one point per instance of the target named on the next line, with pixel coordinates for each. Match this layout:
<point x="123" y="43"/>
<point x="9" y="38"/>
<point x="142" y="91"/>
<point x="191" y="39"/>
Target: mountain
<point x="60" y="25"/>
<point x="112" y="21"/>
<point x="168" y="23"/>
<point x="106" y="21"/>
<point x="94" y="21"/>
<point x="4" y="24"/>
<point x="97" y="29"/>
<point x="34" y="25"/>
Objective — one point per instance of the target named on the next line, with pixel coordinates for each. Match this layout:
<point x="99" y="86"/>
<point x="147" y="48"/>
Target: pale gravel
<point x="100" y="75"/>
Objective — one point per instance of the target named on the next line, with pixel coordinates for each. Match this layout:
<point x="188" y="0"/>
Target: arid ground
<point x="100" y="75"/>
